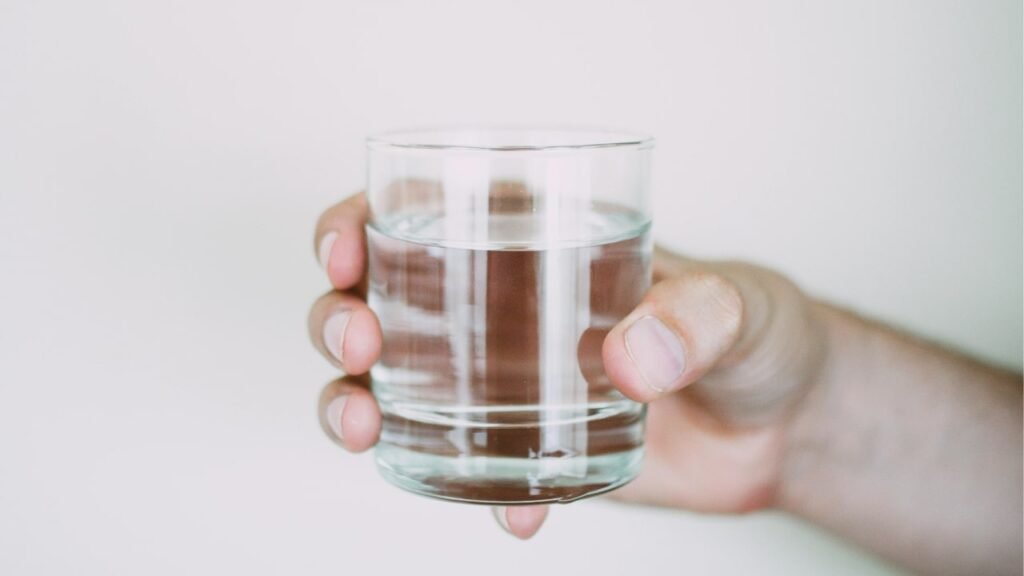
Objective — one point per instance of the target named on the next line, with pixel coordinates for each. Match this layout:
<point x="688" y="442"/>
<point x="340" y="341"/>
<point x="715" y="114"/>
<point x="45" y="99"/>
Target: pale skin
<point x="763" y="398"/>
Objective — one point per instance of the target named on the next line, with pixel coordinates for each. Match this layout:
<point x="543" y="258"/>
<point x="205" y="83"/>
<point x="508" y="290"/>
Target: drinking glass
<point x="499" y="259"/>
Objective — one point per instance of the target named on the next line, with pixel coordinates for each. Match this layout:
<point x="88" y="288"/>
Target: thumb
<point x="676" y="334"/>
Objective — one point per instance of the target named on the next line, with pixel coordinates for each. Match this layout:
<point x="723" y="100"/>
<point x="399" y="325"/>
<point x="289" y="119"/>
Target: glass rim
<point x="553" y="138"/>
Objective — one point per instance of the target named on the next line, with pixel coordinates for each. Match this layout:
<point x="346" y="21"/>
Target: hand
<point x="724" y="353"/>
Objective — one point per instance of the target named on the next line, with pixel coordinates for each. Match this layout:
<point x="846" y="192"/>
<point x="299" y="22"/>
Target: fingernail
<point x="501" y="515"/>
<point x="324" y="250"/>
<point x="334" y="411"/>
<point x="334" y="334"/>
<point x="656" y="352"/>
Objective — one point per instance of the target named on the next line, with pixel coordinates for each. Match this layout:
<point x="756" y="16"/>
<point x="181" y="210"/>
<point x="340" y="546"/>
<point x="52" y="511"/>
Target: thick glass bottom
<point x="507" y="481"/>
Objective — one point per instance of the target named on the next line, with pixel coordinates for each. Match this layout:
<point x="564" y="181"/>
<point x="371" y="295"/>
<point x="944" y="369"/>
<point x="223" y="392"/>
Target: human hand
<point x="724" y="353"/>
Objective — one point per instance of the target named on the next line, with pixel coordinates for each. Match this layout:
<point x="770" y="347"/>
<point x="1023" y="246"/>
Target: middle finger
<point x="345" y="330"/>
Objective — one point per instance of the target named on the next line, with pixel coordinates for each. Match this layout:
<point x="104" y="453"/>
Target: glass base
<point x="507" y="481"/>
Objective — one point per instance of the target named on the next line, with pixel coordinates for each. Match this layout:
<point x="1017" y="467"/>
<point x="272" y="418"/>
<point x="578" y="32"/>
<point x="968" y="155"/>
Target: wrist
<point x="807" y="434"/>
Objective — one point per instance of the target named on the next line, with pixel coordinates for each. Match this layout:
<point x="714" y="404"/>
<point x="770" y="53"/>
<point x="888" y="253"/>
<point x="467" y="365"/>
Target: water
<point x="491" y="380"/>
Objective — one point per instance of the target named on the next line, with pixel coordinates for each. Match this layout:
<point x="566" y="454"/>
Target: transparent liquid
<point x="491" y="380"/>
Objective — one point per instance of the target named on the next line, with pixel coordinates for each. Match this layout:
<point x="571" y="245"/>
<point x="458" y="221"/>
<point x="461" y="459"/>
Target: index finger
<point x="340" y="241"/>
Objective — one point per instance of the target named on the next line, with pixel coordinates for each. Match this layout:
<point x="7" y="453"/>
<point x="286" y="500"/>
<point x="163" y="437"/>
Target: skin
<point x="907" y="449"/>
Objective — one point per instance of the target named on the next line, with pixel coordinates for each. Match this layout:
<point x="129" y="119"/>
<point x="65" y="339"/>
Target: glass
<point x="498" y="262"/>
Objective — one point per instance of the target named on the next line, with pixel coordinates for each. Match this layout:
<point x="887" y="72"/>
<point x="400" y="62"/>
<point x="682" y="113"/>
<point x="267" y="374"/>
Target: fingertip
<point x="324" y="248"/>
<point x="363" y="345"/>
<point x="332" y="417"/>
<point x="343" y="255"/>
<point x="340" y="241"/>
<point x="680" y="331"/>
<point x="523" y="522"/>
<point x="620" y="368"/>
<point x="360" y="422"/>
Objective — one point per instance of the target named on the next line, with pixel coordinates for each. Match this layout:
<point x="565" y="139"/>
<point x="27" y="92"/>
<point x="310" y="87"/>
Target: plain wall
<point x="162" y="165"/>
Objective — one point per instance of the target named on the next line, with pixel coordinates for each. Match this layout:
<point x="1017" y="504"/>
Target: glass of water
<point x="498" y="262"/>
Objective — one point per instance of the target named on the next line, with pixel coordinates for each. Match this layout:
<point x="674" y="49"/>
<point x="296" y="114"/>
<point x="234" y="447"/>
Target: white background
<point x="162" y="165"/>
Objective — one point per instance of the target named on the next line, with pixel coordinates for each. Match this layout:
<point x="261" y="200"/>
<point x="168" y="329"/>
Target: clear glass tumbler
<point x="498" y="262"/>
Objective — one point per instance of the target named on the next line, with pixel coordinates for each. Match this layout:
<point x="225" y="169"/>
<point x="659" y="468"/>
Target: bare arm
<point x="911" y="451"/>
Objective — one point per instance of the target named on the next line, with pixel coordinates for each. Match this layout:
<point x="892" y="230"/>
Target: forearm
<point x="910" y="450"/>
